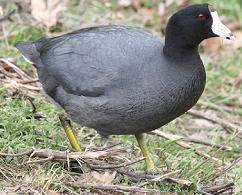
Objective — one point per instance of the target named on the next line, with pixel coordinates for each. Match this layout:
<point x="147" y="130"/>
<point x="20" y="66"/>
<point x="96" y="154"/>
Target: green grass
<point x="232" y="9"/>
<point x="20" y="131"/>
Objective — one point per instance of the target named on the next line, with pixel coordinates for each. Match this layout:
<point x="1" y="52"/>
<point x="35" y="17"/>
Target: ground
<point x="215" y="120"/>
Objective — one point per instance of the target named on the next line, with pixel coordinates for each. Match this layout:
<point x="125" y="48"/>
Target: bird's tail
<point x="29" y="51"/>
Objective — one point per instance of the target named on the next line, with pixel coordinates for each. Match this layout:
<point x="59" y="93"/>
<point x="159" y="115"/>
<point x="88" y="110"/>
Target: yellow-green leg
<point x="150" y="166"/>
<point x="66" y="124"/>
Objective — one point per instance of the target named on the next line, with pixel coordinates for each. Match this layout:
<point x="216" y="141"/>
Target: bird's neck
<point x="179" y="47"/>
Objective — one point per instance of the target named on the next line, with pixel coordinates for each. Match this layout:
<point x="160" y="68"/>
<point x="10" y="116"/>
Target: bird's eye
<point x="201" y="17"/>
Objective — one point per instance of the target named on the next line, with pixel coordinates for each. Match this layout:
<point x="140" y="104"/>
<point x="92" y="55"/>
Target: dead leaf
<point x="106" y="178"/>
<point x="182" y="182"/>
<point x="95" y="177"/>
<point x="51" y="192"/>
<point x="46" y="11"/>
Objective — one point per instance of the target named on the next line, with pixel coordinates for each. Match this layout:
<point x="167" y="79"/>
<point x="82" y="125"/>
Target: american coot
<point x="123" y="80"/>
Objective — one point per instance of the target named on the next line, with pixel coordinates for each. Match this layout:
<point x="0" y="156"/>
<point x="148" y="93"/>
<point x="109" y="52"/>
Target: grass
<point x="18" y="131"/>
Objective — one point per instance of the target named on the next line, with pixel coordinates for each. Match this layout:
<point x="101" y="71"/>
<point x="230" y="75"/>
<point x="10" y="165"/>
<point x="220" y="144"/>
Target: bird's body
<point x="102" y="78"/>
<point x="123" y="80"/>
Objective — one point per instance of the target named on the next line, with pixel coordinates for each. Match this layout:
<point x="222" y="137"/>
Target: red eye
<point x="201" y="17"/>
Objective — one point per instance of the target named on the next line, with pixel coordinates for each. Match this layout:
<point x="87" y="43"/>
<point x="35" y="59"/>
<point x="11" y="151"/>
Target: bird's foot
<point x="150" y="166"/>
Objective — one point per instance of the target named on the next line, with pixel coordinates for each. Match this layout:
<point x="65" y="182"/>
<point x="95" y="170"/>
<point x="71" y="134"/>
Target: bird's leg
<point x="66" y="124"/>
<point x="150" y="166"/>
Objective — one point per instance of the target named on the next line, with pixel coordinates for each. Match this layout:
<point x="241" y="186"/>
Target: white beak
<point x="219" y="28"/>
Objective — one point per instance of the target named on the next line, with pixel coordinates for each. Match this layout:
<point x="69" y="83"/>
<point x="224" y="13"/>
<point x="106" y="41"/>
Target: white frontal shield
<point x="219" y="28"/>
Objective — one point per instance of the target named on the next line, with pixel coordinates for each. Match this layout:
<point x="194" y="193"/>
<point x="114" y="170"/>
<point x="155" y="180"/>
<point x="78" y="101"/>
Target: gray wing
<point x="94" y="62"/>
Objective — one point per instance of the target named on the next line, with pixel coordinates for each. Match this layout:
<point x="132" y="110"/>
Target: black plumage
<point x="123" y="80"/>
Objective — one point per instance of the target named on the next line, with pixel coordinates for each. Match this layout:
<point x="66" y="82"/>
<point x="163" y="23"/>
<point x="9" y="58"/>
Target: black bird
<point x="123" y="80"/>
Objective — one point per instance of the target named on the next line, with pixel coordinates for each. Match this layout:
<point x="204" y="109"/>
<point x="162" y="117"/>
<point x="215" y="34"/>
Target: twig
<point x="92" y="166"/>
<point x="25" y="189"/>
<point x="218" y="189"/>
<point x="135" y="175"/>
<point x="206" y="143"/>
<point x="184" y="144"/>
<point x="228" y="126"/>
<point x="229" y="167"/>
<point x="112" y="187"/>
<point x="61" y="155"/>
<point x="198" y="141"/>
<point x="34" y="115"/>
<point x="17" y="80"/>
<point x="166" y="178"/>
<point x="4" y="175"/>
<point x="16" y="69"/>
<point x="30" y="81"/>
<point x="50" y="158"/>
<point x="207" y="159"/>
<point x="33" y="106"/>
<point x="182" y="182"/>
<point x="84" y="157"/>
<point x="27" y="152"/>
<point x="221" y="108"/>
<point x="7" y="15"/>
<point x="160" y="178"/>
<point x="201" y="191"/>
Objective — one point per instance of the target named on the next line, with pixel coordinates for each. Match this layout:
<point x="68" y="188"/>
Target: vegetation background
<point x="220" y="108"/>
